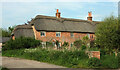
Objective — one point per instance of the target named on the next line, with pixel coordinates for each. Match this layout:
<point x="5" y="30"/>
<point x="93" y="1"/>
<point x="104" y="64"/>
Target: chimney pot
<point x="89" y="16"/>
<point x="58" y="13"/>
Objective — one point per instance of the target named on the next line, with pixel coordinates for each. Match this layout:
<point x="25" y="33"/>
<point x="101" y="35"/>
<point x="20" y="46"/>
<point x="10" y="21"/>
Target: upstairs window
<point x="91" y="36"/>
<point x="58" y="34"/>
<point x="72" y="34"/>
<point x="42" y="33"/>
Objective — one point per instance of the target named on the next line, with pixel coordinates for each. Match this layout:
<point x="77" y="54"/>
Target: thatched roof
<point x="23" y="30"/>
<point x="48" y="23"/>
<point x="4" y="39"/>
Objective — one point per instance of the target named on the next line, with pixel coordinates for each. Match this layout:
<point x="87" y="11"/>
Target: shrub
<point x="109" y="61"/>
<point x="64" y="58"/>
<point x="22" y="42"/>
<point x="65" y="44"/>
<point x="93" y="62"/>
<point x="78" y="43"/>
<point x="49" y="44"/>
<point x="83" y="47"/>
<point x="118" y="57"/>
<point x="92" y="43"/>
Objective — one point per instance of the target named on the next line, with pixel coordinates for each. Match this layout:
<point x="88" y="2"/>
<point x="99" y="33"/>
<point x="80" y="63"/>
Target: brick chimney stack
<point x="89" y="16"/>
<point x="58" y="13"/>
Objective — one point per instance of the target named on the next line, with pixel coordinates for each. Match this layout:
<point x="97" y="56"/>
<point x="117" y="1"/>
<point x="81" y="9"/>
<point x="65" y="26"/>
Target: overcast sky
<point x="15" y="13"/>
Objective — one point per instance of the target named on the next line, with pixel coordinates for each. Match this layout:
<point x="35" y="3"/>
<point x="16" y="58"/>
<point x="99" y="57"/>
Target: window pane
<point x="57" y="34"/>
<point x="71" y="34"/>
<point x="42" y="33"/>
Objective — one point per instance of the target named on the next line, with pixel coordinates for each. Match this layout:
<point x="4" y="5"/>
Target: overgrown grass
<point x="71" y="59"/>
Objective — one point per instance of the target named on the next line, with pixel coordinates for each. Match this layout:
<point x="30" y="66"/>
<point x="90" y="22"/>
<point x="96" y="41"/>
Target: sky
<point x="17" y="13"/>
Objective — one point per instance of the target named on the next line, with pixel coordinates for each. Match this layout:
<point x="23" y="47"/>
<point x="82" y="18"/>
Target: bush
<point x="22" y="42"/>
<point x="49" y="44"/>
<point x="83" y="47"/>
<point x="92" y="44"/>
<point x="109" y="61"/>
<point x="93" y="62"/>
<point x="78" y="43"/>
<point x="118" y="57"/>
<point x="64" y="58"/>
<point x="65" y="44"/>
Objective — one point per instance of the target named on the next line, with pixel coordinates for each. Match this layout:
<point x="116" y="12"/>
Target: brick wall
<point x="94" y="54"/>
<point x="65" y="36"/>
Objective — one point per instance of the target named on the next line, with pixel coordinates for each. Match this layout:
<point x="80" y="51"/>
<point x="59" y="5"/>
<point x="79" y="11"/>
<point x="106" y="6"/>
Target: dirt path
<point x="10" y="62"/>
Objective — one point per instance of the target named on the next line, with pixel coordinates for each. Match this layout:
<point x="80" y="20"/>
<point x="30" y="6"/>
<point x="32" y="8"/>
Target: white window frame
<point x="44" y="33"/>
<point x="43" y="44"/>
<point x="59" y="33"/>
<point x="88" y="35"/>
<point x="71" y="34"/>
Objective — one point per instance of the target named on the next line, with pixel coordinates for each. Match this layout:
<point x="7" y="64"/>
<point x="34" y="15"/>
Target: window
<point x="71" y="45"/>
<point x="72" y="34"/>
<point x="42" y="33"/>
<point x="43" y="44"/>
<point x="58" y="34"/>
<point x="91" y="36"/>
<point x="88" y="35"/>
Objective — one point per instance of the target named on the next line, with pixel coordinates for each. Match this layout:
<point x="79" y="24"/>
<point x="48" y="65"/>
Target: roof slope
<point x="47" y="23"/>
<point x="23" y="30"/>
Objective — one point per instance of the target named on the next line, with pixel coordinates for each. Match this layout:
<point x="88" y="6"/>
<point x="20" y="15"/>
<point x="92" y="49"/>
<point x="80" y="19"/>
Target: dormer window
<point x="42" y="33"/>
<point x="58" y="34"/>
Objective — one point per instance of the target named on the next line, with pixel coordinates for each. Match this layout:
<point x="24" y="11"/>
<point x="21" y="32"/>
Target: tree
<point x="6" y="32"/>
<point x="108" y="34"/>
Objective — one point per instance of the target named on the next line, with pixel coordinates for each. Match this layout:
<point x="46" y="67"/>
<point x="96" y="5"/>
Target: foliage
<point x="93" y="62"/>
<point x="49" y="44"/>
<point x="109" y="61"/>
<point x="118" y="57"/>
<point x="83" y="47"/>
<point x="85" y="40"/>
<point x="22" y="42"/>
<point x="108" y="34"/>
<point x="65" y="45"/>
<point x="6" y="32"/>
<point x="78" y="43"/>
<point x="65" y="58"/>
<point x="92" y="44"/>
<point x="57" y="43"/>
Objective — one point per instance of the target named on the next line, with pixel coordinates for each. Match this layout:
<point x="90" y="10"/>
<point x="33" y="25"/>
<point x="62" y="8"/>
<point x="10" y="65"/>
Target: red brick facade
<point x="64" y="36"/>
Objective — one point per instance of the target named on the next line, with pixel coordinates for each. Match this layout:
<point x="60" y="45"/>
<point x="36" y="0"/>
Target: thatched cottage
<point x="51" y="29"/>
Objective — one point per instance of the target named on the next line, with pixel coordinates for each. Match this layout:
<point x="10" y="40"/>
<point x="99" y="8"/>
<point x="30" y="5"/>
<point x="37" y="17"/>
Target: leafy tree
<point x="6" y="32"/>
<point x="108" y="34"/>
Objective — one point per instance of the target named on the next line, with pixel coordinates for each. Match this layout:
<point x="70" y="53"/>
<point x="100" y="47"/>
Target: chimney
<point x="89" y="18"/>
<point x="58" y="13"/>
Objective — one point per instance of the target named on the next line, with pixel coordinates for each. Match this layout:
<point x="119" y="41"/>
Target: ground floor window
<point x="71" y="45"/>
<point x="43" y="44"/>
